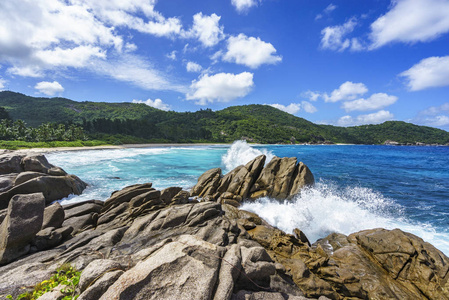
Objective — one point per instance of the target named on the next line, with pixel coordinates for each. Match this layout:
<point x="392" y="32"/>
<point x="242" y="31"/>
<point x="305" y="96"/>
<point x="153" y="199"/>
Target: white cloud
<point x="308" y="107"/>
<point x="292" y="108"/>
<point x="135" y="70"/>
<point x="250" y="51"/>
<point x="334" y="37"/>
<point x="124" y="14"/>
<point x="374" y="118"/>
<point x="429" y="72"/>
<point x="311" y="95"/>
<point x="206" y="29"/>
<point x="49" y="88"/>
<point x="434" y="110"/>
<point x="346" y="91"/>
<point x="193" y="67"/>
<point x="243" y="5"/>
<point x="158" y="103"/>
<point x="437" y="121"/>
<point x="2" y="83"/>
<point x="411" y="21"/>
<point x="330" y="8"/>
<point x="436" y="116"/>
<point x="43" y="36"/>
<point x="374" y="102"/>
<point x="222" y="87"/>
<point x="172" y="55"/>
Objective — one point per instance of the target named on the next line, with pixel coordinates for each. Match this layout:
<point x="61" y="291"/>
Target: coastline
<point x="109" y="147"/>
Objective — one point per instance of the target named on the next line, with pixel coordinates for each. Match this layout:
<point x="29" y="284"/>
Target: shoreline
<point x="108" y="147"/>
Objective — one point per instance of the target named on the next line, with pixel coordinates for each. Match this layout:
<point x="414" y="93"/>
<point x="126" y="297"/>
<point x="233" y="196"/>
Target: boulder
<point x="281" y="178"/>
<point x="100" y="286"/>
<point x="183" y="269"/>
<point x="95" y="270"/>
<point x="83" y="208"/>
<point x="23" y="220"/>
<point x="125" y="195"/>
<point x="207" y="183"/>
<point x="53" y="216"/>
<point x="39" y="163"/>
<point x="7" y="181"/>
<point x="52" y="187"/>
<point x="10" y="163"/>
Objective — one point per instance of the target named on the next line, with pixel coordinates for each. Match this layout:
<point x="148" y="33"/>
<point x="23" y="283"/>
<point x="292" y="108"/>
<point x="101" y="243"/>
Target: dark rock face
<point x="28" y="174"/>
<point x="142" y="243"/>
<point x="281" y="178"/>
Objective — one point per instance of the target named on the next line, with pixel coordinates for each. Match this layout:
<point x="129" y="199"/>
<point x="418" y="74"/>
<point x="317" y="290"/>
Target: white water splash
<point x="241" y="153"/>
<point x="324" y="209"/>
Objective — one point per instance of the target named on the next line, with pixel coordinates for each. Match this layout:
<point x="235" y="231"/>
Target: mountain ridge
<point x="254" y="122"/>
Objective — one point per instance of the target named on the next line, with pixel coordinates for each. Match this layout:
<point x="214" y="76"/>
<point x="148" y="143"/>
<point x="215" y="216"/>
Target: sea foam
<point x="327" y="208"/>
<point x="240" y="153"/>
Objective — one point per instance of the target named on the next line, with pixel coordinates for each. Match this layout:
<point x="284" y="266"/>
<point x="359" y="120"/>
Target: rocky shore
<point x="143" y="243"/>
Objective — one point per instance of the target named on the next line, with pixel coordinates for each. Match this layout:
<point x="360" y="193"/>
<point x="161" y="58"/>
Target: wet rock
<point x="23" y="220"/>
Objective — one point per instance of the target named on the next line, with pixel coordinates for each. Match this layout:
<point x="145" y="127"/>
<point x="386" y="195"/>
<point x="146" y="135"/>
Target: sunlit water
<point x="357" y="187"/>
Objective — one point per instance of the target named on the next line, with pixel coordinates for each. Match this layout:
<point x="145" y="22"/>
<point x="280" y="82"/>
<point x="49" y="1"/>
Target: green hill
<point x="257" y="123"/>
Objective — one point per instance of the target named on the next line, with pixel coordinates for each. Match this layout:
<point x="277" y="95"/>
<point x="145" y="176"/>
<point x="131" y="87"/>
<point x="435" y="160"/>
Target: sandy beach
<point x="104" y="147"/>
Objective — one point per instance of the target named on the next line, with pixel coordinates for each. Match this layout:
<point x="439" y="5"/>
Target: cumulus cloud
<point x="429" y="72"/>
<point x="221" y="87"/>
<point x="2" y="83"/>
<point x="158" y="103"/>
<point x="292" y="108"/>
<point x="49" y="88"/>
<point x="436" y="116"/>
<point x="411" y="21"/>
<point x="437" y="121"/>
<point x="250" y="51"/>
<point x="206" y="29"/>
<point x="346" y="91"/>
<point x="193" y="67"/>
<point x="172" y="55"/>
<point x="374" y="102"/>
<point x="308" y="107"/>
<point x="244" y="5"/>
<point x="49" y="35"/>
<point x="335" y="37"/>
<point x="311" y="95"/>
<point x="374" y="118"/>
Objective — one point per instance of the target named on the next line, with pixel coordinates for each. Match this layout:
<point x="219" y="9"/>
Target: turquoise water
<point x="358" y="187"/>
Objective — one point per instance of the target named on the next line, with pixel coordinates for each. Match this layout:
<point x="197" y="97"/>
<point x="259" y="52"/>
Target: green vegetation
<point x="124" y="123"/>
<point x="66" y="275"/>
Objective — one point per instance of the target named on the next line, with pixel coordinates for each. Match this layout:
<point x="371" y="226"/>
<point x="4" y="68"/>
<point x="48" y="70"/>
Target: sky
<point x="343" y="63"/>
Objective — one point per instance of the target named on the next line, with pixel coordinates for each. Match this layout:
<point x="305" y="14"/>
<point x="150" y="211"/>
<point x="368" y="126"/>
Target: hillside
<point x="257" y="123"/>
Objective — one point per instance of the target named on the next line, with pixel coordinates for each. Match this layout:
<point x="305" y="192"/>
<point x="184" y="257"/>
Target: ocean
<point x="357" y="186"/>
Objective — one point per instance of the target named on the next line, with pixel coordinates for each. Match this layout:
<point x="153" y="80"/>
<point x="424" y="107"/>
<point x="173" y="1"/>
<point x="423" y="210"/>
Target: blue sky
<point x="344" y="63"/>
